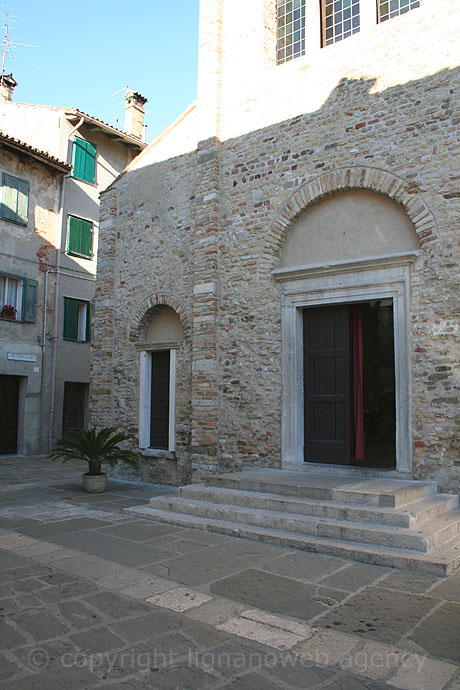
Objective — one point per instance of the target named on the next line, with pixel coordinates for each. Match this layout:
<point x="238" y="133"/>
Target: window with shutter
<point x="11" y="297"/>
<point x="83" y="160"/>
<point x="79" y="237"/>
<point x="77" y="320"/>
<point x="15" y="199"/>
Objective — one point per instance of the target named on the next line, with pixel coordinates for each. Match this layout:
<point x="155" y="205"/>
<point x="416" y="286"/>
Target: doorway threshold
<point x="345" y="470"/>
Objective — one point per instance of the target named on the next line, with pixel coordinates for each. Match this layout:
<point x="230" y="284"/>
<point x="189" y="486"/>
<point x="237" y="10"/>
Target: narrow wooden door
<point x="9" y="411"/>
<point x="159" y="409"/>
<point x="327" y="385"/>
<point x="75" y="397"/>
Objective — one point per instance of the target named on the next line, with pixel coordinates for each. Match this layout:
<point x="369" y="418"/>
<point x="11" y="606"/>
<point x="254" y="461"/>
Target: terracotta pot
<point x="94" y="483"/>
<point x="8" y="316"/>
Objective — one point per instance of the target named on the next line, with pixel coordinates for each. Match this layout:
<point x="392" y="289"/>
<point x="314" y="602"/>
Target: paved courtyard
<point x="92" y="597"/>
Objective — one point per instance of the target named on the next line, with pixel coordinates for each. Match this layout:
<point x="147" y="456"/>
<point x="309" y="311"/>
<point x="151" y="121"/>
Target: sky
<point x="88" y="50"/>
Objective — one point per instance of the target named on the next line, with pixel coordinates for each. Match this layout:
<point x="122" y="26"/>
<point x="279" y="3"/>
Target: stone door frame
<point x="385" y="277"/>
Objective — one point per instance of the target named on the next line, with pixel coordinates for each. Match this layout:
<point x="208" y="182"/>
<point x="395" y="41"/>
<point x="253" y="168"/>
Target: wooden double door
<point x="327" y="385"/>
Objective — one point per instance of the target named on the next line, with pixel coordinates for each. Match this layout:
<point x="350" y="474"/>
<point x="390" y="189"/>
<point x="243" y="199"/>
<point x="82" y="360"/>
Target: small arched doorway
<point x="161" y="335"/>
<point x="345" y="270"/>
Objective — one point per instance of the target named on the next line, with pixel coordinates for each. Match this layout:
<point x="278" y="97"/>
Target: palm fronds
<point x="94" y="447"/>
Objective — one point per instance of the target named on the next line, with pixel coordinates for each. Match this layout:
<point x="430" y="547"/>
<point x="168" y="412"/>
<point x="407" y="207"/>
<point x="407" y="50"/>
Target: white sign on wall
<point x="20" y="357"/>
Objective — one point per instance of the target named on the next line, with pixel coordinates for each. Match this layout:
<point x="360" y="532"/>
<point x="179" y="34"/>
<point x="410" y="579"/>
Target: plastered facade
<point x="52" y="129"/>
<point x="24" y="345"/>
<point x="199" y="222"/>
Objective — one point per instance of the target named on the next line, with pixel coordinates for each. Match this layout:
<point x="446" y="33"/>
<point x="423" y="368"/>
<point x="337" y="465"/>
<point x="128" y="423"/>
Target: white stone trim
<point x="145" y="392"/>
<point x="382" y="278"/>
<point x="172" y="401"/>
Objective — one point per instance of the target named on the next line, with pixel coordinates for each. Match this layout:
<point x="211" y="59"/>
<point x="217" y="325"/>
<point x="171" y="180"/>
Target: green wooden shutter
<point x="15" y="201"/>
<point x="29" y="300"/>
<point x="84" y="159"/>
<point x="73" y="235"/>
<point x="86" y="238"/>
<point x="70" y="318"/>
<point x="90" y="162"/>
<point x="23" y="201"/>
<point x="79" y="237"/>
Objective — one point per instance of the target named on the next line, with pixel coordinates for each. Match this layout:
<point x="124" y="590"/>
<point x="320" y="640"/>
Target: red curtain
<point x="356" y="323"/>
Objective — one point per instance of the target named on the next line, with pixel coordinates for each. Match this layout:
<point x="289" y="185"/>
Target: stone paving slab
<point x="378" y="614"/>
<point x="221" y="560"/>
<point x="139" y="530"/>
<point x="76" y="612"/>
<point x="114" y="548"/>
<point x="61" y="527"/>
<point x="278" y="594"/>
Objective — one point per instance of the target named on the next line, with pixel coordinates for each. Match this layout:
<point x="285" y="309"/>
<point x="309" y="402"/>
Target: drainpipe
<point x="61" y="224"/>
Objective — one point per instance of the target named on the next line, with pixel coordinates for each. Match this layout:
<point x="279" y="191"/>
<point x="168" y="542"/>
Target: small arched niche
<point x="352" y="225"/>
<point x="164" y="326"/>
<point x="161" y="335"/>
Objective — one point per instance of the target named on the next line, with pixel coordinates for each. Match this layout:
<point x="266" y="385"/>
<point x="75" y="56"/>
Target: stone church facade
<point x="278" y="273"/>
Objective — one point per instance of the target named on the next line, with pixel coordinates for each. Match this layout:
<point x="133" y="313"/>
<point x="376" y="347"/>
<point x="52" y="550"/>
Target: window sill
<point x="79" y="256"/>
<point x="158" y="453"/>
<point x="80" y="179"/>
<point x="74" y="340"/>
<point x="15" y="222"/>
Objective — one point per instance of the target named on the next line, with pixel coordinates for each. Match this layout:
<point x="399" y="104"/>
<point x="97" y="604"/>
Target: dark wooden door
<point x="9" y="411"/>
<point x="327" y="385"/>
<point x="159" y="409"/>
<point x="75" y="397"/>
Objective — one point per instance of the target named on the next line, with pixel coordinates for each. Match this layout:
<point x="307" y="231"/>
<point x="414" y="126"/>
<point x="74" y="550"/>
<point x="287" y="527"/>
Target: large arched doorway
<point x="345" y="270"/>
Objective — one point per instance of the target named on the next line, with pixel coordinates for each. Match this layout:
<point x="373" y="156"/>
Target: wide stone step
<point x="387" y="493"/>
<point x="442" y="563"/>
<point x="409" y="515"/>
<point x="436" y="532"/>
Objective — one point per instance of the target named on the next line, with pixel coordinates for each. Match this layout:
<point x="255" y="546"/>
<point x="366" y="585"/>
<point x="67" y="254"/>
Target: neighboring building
<point x="96" y="153"/>
<point x="279" y="271"/>
<point x="32" y="184"/>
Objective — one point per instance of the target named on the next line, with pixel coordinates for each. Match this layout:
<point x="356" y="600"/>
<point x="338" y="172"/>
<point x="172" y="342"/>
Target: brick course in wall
<point x="202" y="232"/>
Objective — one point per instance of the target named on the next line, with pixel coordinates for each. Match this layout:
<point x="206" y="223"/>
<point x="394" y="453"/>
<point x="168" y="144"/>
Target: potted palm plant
<point x="94" y="447"/>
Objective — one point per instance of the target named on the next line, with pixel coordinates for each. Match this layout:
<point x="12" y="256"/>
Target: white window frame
<point x="19" y="294"/>
<point x="81" y="321"/>
<point x="338" y="283"/>
<point x="145" y="393"/>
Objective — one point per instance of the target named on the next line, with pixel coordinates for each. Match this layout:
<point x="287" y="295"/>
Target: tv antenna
<point x="8" y="43"/>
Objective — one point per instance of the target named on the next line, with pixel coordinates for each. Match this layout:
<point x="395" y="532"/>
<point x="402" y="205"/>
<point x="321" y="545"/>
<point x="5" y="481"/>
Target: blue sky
<point x="86" y="51"/>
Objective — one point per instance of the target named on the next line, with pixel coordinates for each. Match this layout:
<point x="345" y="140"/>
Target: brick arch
<point x="341" y="180"/>
<point x="144" y="312"/>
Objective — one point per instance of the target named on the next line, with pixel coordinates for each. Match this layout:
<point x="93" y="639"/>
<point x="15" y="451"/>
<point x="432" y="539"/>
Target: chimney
<point x="134" y="114"/>
<point x="7" y="86"/>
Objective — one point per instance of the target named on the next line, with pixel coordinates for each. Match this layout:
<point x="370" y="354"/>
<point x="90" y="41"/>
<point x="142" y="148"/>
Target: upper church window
<point x="291" y="30"/>
<point x="393" y="8"/>
<point x="340" y="19"/>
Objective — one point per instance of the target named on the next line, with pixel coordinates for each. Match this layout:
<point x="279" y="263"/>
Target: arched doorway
<point x="345" y="270"/>
<point x="160" y="338"/>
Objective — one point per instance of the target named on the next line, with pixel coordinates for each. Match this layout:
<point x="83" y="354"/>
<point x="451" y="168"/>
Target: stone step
<point x="434" y="533"/>
<point x="442" y="563"/>
<point x="374" y="491"/>
<point x="409" y="515"/>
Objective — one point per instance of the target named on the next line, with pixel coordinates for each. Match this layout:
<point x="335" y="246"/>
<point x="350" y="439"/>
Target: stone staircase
<point x="386" y="521"/>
